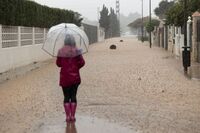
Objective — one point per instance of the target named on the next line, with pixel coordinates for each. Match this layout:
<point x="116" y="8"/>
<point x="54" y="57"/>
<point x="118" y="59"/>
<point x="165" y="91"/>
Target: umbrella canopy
<point x="66" y="40"/>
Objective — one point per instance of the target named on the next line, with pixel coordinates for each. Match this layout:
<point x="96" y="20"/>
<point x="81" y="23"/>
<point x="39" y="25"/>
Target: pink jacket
<point x="69" y="73"/>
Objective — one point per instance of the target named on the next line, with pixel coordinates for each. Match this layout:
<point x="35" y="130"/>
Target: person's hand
<point x="79" y="51"/>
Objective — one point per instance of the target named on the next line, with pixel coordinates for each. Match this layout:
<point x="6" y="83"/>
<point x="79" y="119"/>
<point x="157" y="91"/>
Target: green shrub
<point x="29" y="13"/>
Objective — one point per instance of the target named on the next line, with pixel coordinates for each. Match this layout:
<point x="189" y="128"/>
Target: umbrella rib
<point x="56" y="40"/>
<point x="84" y="44"/>
<point x="48" y="52"/>
<point x="73" y="29"/>
<point x="47" y="39"/>
<point x="56" y="29"/>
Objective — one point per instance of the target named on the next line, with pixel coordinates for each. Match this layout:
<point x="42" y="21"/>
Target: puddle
<point x="194" y="72"/>
<point x="82" y="125"/>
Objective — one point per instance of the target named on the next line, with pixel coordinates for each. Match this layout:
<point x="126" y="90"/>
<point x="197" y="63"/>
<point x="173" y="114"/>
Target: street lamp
<point x="150" y="23"/>
<point x="186" y="49"/>
<point x="142" y="27"/>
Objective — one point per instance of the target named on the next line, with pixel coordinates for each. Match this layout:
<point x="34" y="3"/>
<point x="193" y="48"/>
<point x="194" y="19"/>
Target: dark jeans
<point x="70" y="93"/>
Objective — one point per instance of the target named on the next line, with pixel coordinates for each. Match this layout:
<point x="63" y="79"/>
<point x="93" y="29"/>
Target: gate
<point x="91" y="32"/>
<point x="161" y="37"/>
<point x="198" y="40"/>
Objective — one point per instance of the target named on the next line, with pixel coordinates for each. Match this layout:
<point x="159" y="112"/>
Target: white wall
<point x="179" y="42"/>
<point x="20" y="46"/>
<point x="19" y="56"/>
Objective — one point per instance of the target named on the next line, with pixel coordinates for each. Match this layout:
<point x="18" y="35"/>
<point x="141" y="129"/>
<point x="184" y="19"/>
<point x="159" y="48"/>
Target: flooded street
<point x="83" y="125"/>
<point x="132" y="89"/>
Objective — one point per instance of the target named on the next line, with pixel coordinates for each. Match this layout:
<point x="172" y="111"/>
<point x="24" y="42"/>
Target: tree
<point x="175" y="15"/>
<point x="114" y="29"/>
<point x="163" y="8"/>
<point x="109" y="21"/>
<point x="104" y="20"/>
<point x="150" y="25"/>
<point x="193" y="6"/>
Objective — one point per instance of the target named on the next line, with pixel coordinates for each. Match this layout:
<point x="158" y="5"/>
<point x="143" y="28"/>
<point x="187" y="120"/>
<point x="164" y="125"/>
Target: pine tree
<point x="104" y="20"/>
<point x="113" y="27"/>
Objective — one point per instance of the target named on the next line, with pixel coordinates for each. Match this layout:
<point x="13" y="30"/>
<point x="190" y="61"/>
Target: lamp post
<point x="150" y="44"/>
<point x="185" y="23"/>
<point x="186" y="49"/>
<point x="142" y="27"/>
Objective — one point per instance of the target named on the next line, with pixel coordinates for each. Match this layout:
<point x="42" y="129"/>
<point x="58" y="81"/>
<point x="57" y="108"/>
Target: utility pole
<point x="185" y="23"/>
<point x="118" y="9"/>
<point x="150" y="23"/>
<point x="118" y="13"/>
<point x="186" y="49"/>
<point x="142" y="27"/>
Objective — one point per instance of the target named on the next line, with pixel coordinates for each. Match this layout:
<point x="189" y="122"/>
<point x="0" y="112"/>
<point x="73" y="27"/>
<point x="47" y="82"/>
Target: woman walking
<point x="70" y="61"/>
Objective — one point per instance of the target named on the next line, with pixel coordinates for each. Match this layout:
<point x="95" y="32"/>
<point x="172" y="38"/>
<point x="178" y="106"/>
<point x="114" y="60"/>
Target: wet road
<point x="83" y="125"/>
<point x="132" y="88"/>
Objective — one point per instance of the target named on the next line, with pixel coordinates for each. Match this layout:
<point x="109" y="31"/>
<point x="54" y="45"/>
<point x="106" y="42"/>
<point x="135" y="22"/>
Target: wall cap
<point x="196" y="14"/>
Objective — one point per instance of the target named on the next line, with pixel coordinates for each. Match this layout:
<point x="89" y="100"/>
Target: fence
<point x="176" y="37"/>
<point x="13" y="36"/>
<point x="198" y="30"/>
<point x="171" y="39"/>
<point x="21" y="46"/>
<point x="91" y="32"/>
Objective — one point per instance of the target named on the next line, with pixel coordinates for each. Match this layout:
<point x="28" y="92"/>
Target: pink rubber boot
<point x="67" y="111"/>
<point x="73" y="112"/>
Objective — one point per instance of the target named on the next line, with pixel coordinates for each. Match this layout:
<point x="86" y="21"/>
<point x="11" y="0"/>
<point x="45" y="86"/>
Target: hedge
<point x="29" y="13"/>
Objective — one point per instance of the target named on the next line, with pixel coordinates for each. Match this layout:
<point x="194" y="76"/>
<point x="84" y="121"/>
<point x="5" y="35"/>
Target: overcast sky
<point x="88" y="8"/>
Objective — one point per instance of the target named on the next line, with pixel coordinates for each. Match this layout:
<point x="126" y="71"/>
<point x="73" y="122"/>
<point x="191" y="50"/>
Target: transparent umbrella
<point x="66" y="40"/>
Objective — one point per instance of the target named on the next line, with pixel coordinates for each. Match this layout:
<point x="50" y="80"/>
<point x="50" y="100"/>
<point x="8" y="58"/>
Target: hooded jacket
<point x="69" y="72"/>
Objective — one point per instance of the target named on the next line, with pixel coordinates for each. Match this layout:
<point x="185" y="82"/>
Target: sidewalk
<point x="194" y="71"/>
<point x="135" y="88"/>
